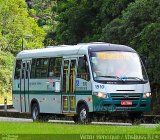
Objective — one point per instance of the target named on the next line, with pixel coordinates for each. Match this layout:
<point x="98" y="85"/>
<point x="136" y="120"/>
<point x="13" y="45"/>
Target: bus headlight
<point x="146" y="95"/>
<point x="101" y="94"/>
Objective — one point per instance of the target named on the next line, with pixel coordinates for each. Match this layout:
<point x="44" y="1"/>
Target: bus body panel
<point x="43" y="91"/>
<point x="48" y="102"/>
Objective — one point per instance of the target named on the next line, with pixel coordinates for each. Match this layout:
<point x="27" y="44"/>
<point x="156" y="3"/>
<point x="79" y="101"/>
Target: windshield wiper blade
<point x="108" y="76"/>
<point x="137" y="78"/>
<point x="122" y="78"/>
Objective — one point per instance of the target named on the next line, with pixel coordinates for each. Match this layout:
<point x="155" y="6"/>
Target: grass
<point x="9" y="98"/>
<point x="52" y="128"/>
<point x="72" y="131"/>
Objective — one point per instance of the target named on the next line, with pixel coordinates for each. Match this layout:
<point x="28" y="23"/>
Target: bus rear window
<point x="17" y="69"/>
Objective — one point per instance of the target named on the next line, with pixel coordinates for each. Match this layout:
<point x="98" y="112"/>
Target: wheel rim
<point x="35" y="113"/>
<point x="83" y="115"/>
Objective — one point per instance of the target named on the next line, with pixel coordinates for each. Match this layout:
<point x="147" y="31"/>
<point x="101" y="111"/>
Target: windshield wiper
<point x="108" y="76"/>
<point x="121" y="78"/>
<point x="137" y="78"/>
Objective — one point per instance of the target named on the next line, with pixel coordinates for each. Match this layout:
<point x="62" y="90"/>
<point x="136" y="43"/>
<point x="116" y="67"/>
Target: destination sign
<point x="114" y="55"/>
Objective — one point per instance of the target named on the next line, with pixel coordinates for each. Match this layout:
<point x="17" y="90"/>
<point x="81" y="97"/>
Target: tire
<point x="82" y="115"/>
<point x="35" y="112"/>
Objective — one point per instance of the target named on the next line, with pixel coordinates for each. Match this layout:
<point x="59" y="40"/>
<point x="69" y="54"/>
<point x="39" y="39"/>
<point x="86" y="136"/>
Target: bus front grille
<point x="126" y="96"/>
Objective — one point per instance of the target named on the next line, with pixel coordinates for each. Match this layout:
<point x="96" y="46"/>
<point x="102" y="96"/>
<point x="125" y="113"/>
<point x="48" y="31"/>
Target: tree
<point x="134" y="19"/>
<point x="112" y="9"/>
<point x="74" y="21"/>
<point x="83" y="20"/>
<point x="41" y="10"/>
<point x="6" y="67"/>
<point x="17" y="24"/>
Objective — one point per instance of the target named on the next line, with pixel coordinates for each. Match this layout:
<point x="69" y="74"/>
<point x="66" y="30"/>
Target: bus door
<point x="68" y="85"/>
<point x="24" y="85"/>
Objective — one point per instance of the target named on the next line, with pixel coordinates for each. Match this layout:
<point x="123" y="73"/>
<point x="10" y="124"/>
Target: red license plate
<point x="126" y="102"/>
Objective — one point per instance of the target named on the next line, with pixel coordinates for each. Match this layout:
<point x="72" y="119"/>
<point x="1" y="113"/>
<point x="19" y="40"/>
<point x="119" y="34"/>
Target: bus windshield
<point x="117" y="65"/>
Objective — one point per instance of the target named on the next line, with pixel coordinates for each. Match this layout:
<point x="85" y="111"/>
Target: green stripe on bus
<point x="54" y="93"/>
<point x="83" y="92"/>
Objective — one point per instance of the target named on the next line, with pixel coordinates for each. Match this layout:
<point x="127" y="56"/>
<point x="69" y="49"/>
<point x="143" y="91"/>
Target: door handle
<point x="18" y="86"/>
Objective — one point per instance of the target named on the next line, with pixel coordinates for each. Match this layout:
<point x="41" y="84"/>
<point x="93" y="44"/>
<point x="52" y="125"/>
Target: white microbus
<point x="80" y="81"/>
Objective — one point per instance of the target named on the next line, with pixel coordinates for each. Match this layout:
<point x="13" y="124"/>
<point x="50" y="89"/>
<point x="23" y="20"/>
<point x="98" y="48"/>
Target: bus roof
<point x="64" y="50"/>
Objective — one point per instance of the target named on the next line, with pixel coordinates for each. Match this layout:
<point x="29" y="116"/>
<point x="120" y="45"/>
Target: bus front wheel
<point x="82" y="116"/>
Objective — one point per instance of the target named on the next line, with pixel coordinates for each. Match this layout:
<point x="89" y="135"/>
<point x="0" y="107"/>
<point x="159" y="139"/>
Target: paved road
<point x="9" y="119"/>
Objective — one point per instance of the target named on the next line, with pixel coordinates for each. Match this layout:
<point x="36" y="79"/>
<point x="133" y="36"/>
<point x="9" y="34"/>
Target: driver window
<point x="83" y="68"/>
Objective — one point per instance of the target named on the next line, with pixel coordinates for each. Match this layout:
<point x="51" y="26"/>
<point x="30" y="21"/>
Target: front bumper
<point x="113" y="103"/>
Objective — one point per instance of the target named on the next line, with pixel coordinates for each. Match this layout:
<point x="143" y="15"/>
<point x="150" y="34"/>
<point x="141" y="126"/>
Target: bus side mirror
<point x="57" y="86"/>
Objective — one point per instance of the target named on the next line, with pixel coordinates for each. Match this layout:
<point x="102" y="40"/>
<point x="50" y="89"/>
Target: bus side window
<point x="55" y="67"/>
<point x="17" y="69"/>
<point x="41" y="68"/>
<point x="83" y="69"/>
<point x="33" y="68"/>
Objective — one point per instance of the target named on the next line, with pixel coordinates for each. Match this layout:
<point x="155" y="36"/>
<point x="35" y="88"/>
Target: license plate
<point x="126" y="102"/>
